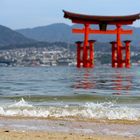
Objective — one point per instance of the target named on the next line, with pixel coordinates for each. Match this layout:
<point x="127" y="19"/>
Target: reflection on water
<point x="105" y="81"/>
<point x="122" y="82"/>
<point x="69" y="83"/>
<point x="85" y="81"/>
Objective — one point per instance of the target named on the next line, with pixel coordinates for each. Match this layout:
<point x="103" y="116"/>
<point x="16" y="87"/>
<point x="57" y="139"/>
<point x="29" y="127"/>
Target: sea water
<point x="101" y="93"/>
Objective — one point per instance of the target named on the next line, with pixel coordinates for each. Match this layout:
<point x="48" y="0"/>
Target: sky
<point x="18" y="14"/>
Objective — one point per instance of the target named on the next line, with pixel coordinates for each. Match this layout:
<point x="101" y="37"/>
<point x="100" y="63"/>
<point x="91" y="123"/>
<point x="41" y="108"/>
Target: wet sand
<point x="13" y="135"/>
<point x="37" y="129"/>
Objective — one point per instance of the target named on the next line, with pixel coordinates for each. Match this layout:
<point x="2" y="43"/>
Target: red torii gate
<point x="85" y="50"/>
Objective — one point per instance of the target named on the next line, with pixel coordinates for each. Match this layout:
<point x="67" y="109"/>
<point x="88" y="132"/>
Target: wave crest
<point x="106" y="110"/>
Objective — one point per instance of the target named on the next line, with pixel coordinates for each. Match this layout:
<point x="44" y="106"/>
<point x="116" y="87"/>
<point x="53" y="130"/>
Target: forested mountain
<point x="8" y="36"/>
<point x="62" y="32"/>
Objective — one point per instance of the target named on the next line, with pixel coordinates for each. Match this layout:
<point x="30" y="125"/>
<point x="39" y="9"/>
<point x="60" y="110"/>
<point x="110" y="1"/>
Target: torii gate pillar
<point x="127" y="60"/>
<point x="124" y="62"/>
<point x="119" y="47"/>
<point x="85" y="54"/>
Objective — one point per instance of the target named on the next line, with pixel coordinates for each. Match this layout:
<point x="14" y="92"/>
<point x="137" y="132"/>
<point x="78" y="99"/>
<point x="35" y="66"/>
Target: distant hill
<point x="62" y="32"/>
<point x="53" y="45"/>
<point x="57" y="35"/>
<point x="8" y="36"/>
<point x="51" y="33"/>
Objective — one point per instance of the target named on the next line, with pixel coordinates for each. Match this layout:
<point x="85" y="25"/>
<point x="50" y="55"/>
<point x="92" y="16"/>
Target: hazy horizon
<point x="17" y="14"/>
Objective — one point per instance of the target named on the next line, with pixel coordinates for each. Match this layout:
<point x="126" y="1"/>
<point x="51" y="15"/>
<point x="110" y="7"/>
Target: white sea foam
<point x="21" y="103"/>
<point x="87" y="111"/>
<point x="111" y="111"/>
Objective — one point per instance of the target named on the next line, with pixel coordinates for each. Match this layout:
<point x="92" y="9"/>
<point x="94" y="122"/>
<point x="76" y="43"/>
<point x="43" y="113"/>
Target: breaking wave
<point x="107" y="110"/>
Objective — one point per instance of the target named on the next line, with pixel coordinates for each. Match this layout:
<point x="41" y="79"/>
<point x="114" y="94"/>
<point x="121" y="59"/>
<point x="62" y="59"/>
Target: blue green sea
<point x="101" y="93"/>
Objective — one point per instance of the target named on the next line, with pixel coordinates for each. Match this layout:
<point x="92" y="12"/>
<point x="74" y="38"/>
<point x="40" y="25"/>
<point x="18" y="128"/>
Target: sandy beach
<point x="30" y="135"/>
<point x="37" y="129"/>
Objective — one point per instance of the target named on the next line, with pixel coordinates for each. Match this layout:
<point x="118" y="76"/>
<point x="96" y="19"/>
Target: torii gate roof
<point x="94" y="19"/>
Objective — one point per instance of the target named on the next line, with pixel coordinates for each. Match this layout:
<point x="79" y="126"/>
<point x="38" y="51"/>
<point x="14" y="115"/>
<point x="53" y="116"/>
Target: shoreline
<point x="15" y="128"/>
<point x="73" y="119"/>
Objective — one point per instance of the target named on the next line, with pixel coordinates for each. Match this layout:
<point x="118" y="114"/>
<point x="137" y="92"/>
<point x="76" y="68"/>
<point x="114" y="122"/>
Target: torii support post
<point x="119" y="47"/>
<point x="89" y="61"/>
<point x="91" y="55"/>
<point x="127" y="48"/>
<point x="85" y="47"/>
<point x="114" y="53"/>
<point x="79" y="51"/>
